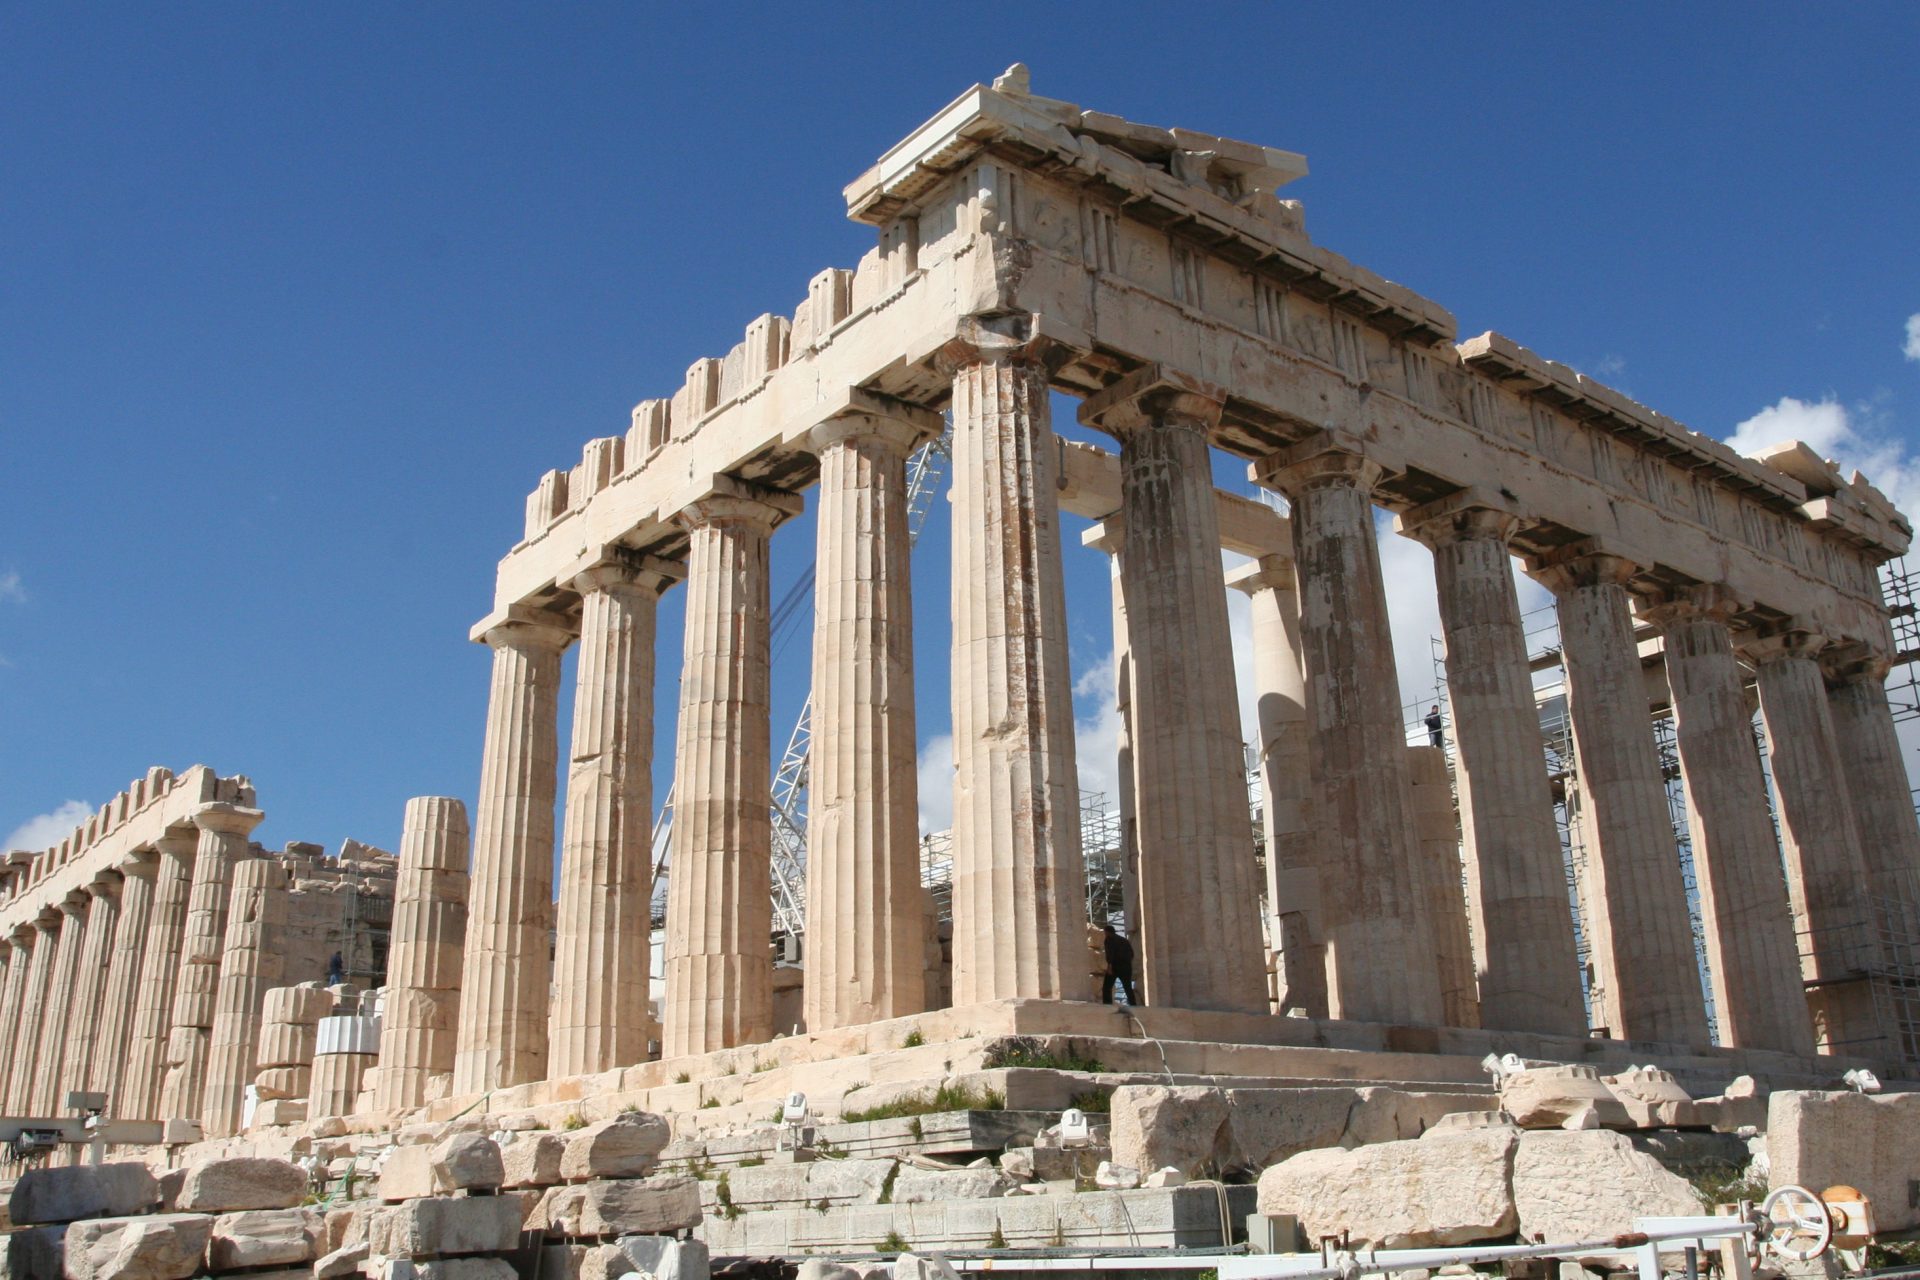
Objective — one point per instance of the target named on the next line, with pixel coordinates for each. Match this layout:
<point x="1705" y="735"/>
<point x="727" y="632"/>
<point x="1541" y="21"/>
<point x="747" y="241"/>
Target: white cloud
<point x="48" y="829"/>
<point x="1854" y="439"/>
<point x="935" y="770"/>
<point x="1413" y="610"/>
<point x="1096" y="730"/>
<point x="1912" y="347"/>
<point x="11" y="592"/>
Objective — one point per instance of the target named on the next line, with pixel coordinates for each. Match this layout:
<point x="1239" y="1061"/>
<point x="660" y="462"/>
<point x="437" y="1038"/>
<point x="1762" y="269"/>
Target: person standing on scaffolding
<point x="1434" y="736"/>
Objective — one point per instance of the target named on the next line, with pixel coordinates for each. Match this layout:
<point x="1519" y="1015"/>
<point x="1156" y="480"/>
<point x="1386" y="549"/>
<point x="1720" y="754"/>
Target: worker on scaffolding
<point x="1434" y="735"/>
<point x="1119" y="953"/>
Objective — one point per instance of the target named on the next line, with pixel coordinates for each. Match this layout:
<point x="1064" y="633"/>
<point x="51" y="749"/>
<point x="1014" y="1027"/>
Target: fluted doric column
<point x="130" y="937"/>
<point x="1878" y="784"/>
<point x="1820" y="833"/>
<point x="719" y="963"/>
<point x="1632" y="893"/>
<point x="1443" y="880"/>
<point x="1736" y="860"/>
<point x="21" y="1095"/>
<point x="1019" y="915"/>
<point x="503" y="1010"/>
<point x="866" y="947"/>
<point x="422" y="1003"/>
<point x="602" y="947"/>
<point x="1379" y="933"/>
<point x="222" y="845"/>
<point x="1200" y="943"/>
<point x="1109" y="538"/>
<point x="252" y="962"/>
<point x="90" y="983"/>
<point x="1293" y="858"/>
<point x="57" y="1009"/>
<point x="12" y="983"/>
<point x="13" y="994"/>
<point x="1527" y="967"/>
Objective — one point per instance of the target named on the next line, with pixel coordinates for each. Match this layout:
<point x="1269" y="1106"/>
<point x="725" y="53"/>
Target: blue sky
<point x="297" y="302"/>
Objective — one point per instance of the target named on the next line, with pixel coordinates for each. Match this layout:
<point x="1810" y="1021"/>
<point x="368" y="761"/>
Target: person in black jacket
<point x="1119" y="954"/>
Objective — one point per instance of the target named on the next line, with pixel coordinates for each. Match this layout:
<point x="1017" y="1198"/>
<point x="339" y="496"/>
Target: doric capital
<point x="529" y="630"/>
<point x="1012" y="338"/>
<point x="106" y="884"/>
<point x="630" y="573"/>
<point x="1854" y="662"/>
<point x="1108" y="535"/>
<point x="1462" y="516"/>
<point x="866" y="430"/>
<point x="1587" y="563"/>
<point x="732" y="502"/>
<point x="1154" y="396"/>
<point x="1711" y="601"/>
<point x="177" y="844"/>
<point x="227" y="819"/>
<point x="1268" y="573"/>
<point x="1324" y="460"/>
<point x="1795" y="638"/>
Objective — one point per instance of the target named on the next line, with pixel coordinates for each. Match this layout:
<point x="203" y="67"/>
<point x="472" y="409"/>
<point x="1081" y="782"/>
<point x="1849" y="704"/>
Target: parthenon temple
<point x="1385" y="911"/>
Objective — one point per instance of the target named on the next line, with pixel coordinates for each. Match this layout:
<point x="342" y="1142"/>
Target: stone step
<point x="948" y="1135"/>
<point x="1186" y="1217"/>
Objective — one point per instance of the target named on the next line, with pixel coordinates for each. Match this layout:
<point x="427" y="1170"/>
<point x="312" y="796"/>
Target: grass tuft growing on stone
<point x="948" y="1097"/>
<point x="914" y="1040"/>
<point x="1025" y="1051"/>
<point x="894" y="1243"/>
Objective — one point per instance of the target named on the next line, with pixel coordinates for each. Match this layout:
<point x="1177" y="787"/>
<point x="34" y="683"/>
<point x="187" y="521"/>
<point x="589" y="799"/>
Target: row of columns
<point x="93" y="987"/>
<point x="1363" y="913"/>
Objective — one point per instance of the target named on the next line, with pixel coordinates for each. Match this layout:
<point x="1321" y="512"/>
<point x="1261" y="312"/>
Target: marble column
<point x="865" y="950"/>
<point x="20" y="948"/>
<point x="718" y="950"/>
<point x="1109" y="538"/>
<point x="123" y="979"/>
<point x="1443" y="879"/>
<point x="18" y="952"/>
<point x="502" y="1039"/>
<point x="21" y="1095"/>
<point x="90" y="983"/>
<point x="1736" y="859"/>
<point x="422" y="1003"/>
<point x="1019" y="914"/>
<point x="1878" y="784"/>
<point x="251" y="964"/>
<point x="1820" y="833"/>
<point x="159" y="974"/>
<point x="222" y="845"/>
<point x="1293" y="854"/>
<point x="50" y="1075"/>
<point x="1200" y="944"/>
<point x="1527" y="967"/>
<point x="602" y="951"/>
<point x="1378" y="926"/>
<point x="1635" y="900"/>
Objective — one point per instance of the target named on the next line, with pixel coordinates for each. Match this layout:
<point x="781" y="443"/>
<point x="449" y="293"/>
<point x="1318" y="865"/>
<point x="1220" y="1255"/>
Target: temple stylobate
<point x="1027" y="247"/>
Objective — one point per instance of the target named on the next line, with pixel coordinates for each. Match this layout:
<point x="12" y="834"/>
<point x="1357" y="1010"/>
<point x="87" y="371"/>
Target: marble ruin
<point x="1397" y="913"/>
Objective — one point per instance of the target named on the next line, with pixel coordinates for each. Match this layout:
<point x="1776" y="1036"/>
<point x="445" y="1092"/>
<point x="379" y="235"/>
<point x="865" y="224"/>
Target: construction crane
<point x="787" y="800"/>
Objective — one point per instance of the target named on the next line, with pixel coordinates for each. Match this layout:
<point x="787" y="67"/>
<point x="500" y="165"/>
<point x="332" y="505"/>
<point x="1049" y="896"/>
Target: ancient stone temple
<point x="138" y="952"/>
<point x="1399" y="914"/>
<point x="1025" y="248"/>
<point x="494" y="1083"/>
